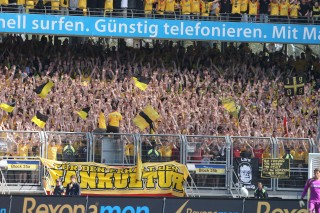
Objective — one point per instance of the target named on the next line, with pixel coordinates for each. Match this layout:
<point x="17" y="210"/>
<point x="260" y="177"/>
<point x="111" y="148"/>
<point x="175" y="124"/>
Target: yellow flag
<point x="6" y="107"/>
<point x="40" y="120"/>
<point x="44" y="89"/>
<point x="230" y="105"/>
<point x="141" y="82"/>
<point x="84" y="113"/>
<point x="146" y="117"/>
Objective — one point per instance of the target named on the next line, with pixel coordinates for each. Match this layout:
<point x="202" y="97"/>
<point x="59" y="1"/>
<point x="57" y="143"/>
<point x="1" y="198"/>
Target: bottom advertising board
<point x="48" y="204"/>
<point x="76" y="204"/>
<point x="184" y="205"/>
<point x="273" y="206"/>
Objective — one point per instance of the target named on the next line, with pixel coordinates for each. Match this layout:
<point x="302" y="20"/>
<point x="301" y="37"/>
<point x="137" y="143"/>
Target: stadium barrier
<point x="208" y="169"/>
<point x="121" y="150"/>
<point x="23" y="204"/>
<point x="299" y="164"/>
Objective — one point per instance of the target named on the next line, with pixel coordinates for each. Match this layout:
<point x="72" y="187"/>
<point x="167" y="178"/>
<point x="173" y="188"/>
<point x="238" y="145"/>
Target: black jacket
<point x="260" y="194"/>
<point x="73" y="189"/>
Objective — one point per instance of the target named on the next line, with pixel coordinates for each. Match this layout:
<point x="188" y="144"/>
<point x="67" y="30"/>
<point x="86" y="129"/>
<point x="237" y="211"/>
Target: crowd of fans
<point x="234" y="10"/>
<point x="186" y="87"/>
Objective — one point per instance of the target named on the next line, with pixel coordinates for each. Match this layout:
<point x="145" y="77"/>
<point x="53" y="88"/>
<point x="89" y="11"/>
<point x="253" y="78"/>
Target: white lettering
<point x="98" y="27"/>
<point x="35" y="24"/>
<point x="11" y="23"/>
<point x="309" y="34"/>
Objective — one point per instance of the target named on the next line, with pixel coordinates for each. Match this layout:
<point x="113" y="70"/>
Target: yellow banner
<point x="94" y="178"/>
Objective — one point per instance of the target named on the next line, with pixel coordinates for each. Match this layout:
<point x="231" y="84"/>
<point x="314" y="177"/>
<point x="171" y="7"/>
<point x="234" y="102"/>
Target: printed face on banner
<point x="245" y="173"/>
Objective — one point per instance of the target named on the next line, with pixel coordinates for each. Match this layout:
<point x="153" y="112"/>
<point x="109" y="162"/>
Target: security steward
<point x="260" y="192"/>
<point x="153" y="155"/>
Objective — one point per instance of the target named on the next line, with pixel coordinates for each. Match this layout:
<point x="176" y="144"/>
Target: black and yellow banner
<point x="7" y="107"/>
<point x="146" y="118"/>
<point x="94" y="178"/>
<point x="275" y="168"/>
<point x="40" y="120"/>
<point x="141" y="82"/>
<point x="294" y="86"/>
<point x="84" y="113"/>
<point x="44" y="89"/>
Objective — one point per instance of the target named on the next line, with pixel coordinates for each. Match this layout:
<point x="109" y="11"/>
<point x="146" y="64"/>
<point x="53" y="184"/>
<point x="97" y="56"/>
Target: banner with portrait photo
<point x="156" y="179"/>
<point x="246" y="171"/>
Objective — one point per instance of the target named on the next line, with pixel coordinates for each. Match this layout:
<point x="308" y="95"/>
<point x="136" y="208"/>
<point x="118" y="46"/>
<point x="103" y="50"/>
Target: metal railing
<point x="298" y="149"/>
<point x="208" y="158"/>
<point x="154" y="14"/>
<point x="120" y="149"/>
<point x="3" y="184"/>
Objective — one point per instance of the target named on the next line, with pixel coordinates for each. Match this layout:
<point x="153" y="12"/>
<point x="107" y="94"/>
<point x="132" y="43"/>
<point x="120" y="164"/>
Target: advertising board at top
<point x="159" y="28"/>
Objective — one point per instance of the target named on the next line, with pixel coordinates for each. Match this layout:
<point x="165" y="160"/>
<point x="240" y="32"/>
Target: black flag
<point x="246" y="171"/>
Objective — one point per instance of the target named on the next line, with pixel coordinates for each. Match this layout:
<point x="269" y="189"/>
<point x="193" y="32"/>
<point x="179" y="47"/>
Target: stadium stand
<point x="215" y="105"/>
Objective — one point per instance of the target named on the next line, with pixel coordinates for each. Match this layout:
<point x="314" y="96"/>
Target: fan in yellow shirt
<point x="205" y="9"/>
<point x="284" y="10"/>
<point x="195" y="7"/>
<point x="166" y="151"/>
<point x="253" y="10"/>
<point x="185" y="6"/>
<point x="29" y="5"/>
<point x="129" y="152"/>
<point x="161" y="6"/>
<point x="170" y="6"/>
<point x="4" y="2"/>
<point x="23" y="149"/>
<point x="274" y="10"/>
<point x="114" y="119"/>
<point x="148" y="7"/>
<point x="55" y="6"/>
<point x="244" y="6"/>
<point x="108" y="7"/>
<point x="52" y="151"/>
<point x="235" y="10"/>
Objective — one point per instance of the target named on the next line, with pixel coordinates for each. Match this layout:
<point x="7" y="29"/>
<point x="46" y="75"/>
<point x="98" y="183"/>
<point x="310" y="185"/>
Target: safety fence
<point x="154" y="14"/>
<point x="214" y="162"/>
<point x="15" y="204"/>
